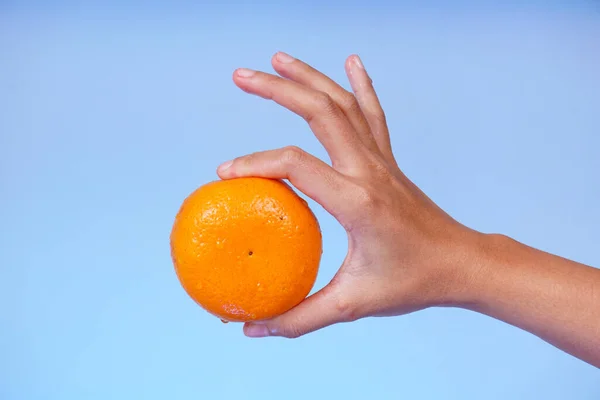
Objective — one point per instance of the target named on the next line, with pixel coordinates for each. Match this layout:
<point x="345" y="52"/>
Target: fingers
<point x="300" y="72"/>
<point x="322" y="309"/>
<point x="325" y="118"/>
<point x="362" y="85"/>
<point x="309" y="174"/>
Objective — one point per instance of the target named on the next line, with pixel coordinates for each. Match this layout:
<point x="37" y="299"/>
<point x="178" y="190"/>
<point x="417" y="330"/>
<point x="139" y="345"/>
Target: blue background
<point x="111" y="114"/>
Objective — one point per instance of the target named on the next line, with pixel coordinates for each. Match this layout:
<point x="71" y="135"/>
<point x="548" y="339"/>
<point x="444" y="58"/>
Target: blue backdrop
<point x="111" y="114"/>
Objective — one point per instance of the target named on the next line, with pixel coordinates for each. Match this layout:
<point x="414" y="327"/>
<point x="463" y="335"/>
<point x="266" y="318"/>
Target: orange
<point x="246" y="249"/>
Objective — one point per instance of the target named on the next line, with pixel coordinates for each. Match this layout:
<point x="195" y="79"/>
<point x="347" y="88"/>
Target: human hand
<point x="404" y="252"/>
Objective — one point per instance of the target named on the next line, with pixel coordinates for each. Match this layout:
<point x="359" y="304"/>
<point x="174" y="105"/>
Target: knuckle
<point x="323" y="100"/>
<point x="323" y="104"/>
<point x="366" y="198"/>
<point x="344" y="304"/>
<point x="346" y="309"/>
<point x="381" y="171"/>
<point x="374" y="200"/>
<point x="292" y="155"/>
<point x="349" y="103"/>
<point x="291" y="332"/>
<point x="380" y="117"/>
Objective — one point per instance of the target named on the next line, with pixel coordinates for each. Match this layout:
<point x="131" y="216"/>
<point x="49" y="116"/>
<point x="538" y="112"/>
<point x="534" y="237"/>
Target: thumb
<point x="326" y="307"/>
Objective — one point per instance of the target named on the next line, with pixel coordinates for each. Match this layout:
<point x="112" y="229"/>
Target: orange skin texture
<point x="246" y="249"/>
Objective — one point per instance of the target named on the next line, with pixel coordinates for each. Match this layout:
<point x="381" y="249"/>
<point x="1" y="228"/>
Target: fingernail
<point x="256" y="331"/>
<point x="284" y="58"/>
<point x="225" y="166"/>
<point x="358" y="62"/>
<point x="245" y="72"/>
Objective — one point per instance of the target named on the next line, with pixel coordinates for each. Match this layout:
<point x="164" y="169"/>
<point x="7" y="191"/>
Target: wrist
<point x="475" y="268"/>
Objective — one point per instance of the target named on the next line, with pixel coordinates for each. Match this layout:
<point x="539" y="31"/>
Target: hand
<point x="404" y="252"/>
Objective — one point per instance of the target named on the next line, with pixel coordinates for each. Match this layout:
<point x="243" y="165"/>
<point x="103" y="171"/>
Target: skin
<point x="405" y="253"/>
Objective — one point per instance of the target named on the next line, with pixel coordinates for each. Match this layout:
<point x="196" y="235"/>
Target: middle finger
<point x="325" y="118"/>
<point x="300" y="72"/>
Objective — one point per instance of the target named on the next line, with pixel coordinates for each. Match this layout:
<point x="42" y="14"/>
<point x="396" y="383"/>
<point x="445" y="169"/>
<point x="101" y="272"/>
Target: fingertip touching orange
<point x="246" y="249"/>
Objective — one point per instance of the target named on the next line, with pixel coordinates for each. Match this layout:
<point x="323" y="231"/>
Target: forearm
<point x="549" y="296"/>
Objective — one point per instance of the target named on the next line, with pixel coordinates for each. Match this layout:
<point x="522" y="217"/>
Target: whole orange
<point x="246" y="249"/>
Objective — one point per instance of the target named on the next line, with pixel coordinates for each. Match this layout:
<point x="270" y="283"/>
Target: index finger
<point x="327" y="121"/>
